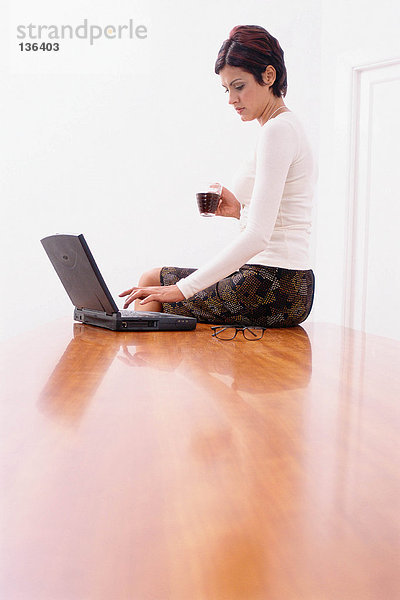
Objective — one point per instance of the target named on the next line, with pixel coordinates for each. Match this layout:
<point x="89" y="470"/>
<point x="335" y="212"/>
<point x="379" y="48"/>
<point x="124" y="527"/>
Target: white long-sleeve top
<point x="275" y="189"/>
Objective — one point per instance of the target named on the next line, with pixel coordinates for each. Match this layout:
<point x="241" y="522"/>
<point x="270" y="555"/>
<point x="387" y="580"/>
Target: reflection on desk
<point x="172" y="465"/>
<point x="91" y="352"/>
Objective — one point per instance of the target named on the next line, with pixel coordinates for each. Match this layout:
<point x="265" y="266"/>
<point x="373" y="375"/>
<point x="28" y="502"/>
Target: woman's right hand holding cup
<point x="228" y="205"/>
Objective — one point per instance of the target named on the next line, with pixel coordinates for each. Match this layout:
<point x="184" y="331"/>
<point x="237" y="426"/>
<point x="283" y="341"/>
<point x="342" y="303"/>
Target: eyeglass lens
<point x="253" y="334"/>
<point x="226" y="333"/>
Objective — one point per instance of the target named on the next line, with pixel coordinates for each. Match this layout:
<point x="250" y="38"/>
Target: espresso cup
<point x="208" y="198"/>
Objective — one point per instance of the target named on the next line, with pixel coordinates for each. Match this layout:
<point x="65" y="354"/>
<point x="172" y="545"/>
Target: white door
<point x="372" y="301"/>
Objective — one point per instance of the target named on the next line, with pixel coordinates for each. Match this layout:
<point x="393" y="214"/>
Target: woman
<point x="263" y="278"/>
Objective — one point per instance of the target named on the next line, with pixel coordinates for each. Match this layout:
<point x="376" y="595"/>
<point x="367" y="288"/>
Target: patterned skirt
<point x="254" y="295"/>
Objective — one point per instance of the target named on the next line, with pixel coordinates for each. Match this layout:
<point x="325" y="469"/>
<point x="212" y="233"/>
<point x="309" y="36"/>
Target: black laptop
<point x="74" y="263"/>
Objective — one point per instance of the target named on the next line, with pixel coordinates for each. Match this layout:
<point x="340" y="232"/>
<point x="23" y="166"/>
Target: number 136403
<point x="46" y="46"/>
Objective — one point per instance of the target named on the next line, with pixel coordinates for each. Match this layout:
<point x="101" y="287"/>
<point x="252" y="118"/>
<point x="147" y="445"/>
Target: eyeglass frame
<point x="237" y="329"/>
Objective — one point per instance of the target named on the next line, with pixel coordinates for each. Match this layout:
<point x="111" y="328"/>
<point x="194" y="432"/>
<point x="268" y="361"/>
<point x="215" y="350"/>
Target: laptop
<point x="74" y="264"/>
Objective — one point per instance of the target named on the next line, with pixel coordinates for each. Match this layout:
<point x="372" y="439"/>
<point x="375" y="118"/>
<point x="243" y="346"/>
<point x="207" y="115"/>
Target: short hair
<point x="252" y="48"/>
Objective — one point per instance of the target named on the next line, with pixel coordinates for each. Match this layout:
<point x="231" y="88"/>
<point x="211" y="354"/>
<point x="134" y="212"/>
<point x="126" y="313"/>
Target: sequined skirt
<point x="253" y="295"/>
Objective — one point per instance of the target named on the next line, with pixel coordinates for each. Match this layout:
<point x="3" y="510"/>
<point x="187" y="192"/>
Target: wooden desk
<point x="173" y="466"/>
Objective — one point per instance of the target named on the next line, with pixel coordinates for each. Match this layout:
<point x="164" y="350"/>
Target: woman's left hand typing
<point x="161" y="293"/>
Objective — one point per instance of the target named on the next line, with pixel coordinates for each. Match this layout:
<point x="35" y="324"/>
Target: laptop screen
<point x="78" y="272"/>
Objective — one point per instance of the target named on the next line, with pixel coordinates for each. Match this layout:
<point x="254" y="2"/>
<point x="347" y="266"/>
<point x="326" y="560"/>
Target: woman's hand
<point x="228" y="205"/>
<point x="161" y="293"/>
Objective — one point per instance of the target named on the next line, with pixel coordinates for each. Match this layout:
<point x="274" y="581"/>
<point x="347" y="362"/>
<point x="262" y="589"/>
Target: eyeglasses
<point x="252" y="334"/>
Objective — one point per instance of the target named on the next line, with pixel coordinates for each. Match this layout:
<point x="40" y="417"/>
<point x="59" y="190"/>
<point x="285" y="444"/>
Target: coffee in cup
<point x="208" y="198"/>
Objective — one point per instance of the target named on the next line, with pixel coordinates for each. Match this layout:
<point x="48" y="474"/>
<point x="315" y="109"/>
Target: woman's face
<point x="250" y="99"/>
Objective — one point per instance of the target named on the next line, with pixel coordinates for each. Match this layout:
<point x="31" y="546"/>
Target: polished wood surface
<point x="174" y="466"/>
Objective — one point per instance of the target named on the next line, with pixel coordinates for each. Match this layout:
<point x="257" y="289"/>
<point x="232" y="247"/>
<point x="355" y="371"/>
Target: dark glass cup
<point x="208" y="198"/>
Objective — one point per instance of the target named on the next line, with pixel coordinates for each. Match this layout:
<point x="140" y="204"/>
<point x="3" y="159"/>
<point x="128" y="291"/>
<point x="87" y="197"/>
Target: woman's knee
<point x="150" y="277"/>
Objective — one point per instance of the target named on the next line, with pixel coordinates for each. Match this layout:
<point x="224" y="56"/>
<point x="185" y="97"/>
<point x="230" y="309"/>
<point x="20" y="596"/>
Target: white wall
<point x="110" y="139"/>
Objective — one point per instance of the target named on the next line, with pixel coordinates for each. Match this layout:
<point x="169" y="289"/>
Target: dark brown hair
<point x="252" y="48"/>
